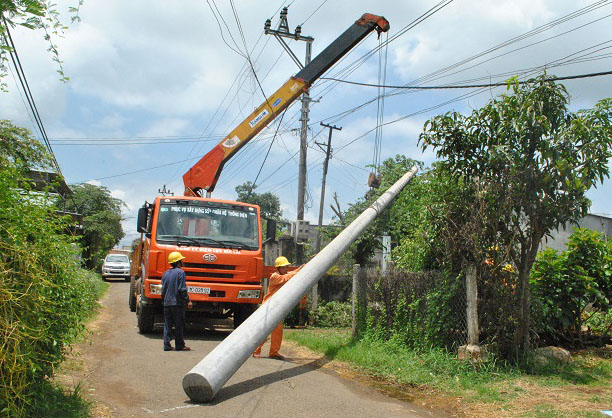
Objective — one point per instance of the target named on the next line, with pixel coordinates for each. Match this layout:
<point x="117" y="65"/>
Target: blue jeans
<point x="174" y="316"/>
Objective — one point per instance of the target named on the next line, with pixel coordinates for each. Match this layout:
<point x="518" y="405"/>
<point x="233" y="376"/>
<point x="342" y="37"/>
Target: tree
<point x="363" y="249"/>
<point x="268" y="202"/>
<point x="36" y="15"/>
<point x="101" y="220"/>
<point x="134" y="245"/>
<point x="531" y="161"/>
<point x="20" y="149"/>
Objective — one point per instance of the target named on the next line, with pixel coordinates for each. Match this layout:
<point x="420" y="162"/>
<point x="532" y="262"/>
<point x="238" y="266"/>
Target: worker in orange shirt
<point x="277" y="280"/>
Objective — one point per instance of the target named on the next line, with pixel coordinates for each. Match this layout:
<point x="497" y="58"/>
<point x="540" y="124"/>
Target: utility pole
<point x="279" y="34"/>
<point x="314" y="295"/>
<point x="165" y="192"/>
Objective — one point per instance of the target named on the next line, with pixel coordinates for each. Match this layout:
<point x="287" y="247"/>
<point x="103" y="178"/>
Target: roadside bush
<point x="44" y="294"/>
<point x="572" y="287"/>
<point x="333" y="315"/>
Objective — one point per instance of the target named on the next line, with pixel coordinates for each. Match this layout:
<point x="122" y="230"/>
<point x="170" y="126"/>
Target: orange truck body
<point x="224" y="277"/>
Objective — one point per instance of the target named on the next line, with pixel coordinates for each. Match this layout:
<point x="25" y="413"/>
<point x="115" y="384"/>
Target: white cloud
<point x="156" y="68"/>
<point x="118" y="194"/>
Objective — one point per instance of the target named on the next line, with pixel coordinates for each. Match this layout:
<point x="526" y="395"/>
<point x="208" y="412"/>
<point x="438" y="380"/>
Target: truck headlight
<point x="248" y="294"/>
<point x="155" y="289"/>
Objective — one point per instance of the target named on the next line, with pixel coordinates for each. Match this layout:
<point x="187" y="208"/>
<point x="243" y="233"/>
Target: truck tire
<point x="146" y="319"/>
<point x="132" y="297"/>
<point x="241" y="312"/>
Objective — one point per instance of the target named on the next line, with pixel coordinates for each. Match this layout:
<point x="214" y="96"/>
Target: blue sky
<point x="160" y="73"/>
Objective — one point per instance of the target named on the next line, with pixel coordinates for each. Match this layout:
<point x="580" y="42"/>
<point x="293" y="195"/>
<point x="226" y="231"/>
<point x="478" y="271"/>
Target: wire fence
<point x="422" y="309"/>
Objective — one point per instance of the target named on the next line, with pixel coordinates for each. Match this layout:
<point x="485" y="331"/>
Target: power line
<point x="472" y="86"/>
<point x="123" y="143"/>
<point x="117" y="138"/>
<point x="499" y="46"/>
<point x="238" y="76"/>
<point x="227" y="27"/>
<point x="28" y="93"/>
<point x="312" y="14"/>
<point x="516" y="39"/>
<point x="140" y="171"/>
<point x="241" y="152"/>
<point x="267" y="153"/>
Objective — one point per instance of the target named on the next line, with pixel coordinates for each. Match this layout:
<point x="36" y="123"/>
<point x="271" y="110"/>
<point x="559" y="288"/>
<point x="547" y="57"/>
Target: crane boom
<point x="203" y="176"/>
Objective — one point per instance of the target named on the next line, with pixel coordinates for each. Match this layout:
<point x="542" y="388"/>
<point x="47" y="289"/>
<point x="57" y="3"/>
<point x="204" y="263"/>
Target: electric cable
<point x="28" y="93"/>
<point x="267" y="153"/>
<point x="471" y="86"/>
<point x="312" y="14"/>
<point x="221" y="30"/>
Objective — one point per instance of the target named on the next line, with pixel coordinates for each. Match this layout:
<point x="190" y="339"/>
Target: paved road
<point x="131" y="376"/>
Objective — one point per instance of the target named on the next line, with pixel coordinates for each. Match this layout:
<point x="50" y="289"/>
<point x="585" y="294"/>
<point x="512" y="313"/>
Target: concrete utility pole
<point x="279" y="34"/>
<point x="314" y="294"/>
<point x="207" y="377"/>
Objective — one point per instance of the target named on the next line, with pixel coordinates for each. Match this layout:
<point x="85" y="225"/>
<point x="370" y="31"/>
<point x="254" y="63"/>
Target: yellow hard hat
<point x="281" y="262"/>
<point x="174" y="257"/>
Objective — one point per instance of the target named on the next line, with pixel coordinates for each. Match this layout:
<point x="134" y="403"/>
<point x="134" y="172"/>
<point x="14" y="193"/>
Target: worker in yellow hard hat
<point x="174" y="299"/>
<point x="277" y="280"/>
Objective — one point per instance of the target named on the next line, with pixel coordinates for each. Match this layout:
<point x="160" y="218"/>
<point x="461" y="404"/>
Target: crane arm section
<point x="203" y="176"/>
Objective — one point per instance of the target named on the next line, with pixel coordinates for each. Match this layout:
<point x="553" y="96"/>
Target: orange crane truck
<point x="220" y="239"/>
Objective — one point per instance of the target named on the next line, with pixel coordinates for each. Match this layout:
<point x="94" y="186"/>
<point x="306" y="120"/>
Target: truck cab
<point x="222" y="245"/>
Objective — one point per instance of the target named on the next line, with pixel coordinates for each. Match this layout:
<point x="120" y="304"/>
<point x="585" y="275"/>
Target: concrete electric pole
<point x="279" y="34"/>
<point x="314" y="294"/>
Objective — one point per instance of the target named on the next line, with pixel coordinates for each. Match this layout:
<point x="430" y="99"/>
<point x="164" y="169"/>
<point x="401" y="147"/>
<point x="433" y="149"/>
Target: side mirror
<point x="141" y="223"/>
<point x="270" y="230"/>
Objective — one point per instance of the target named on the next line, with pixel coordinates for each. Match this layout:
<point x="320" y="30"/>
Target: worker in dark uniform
<point x="175" y="298"/>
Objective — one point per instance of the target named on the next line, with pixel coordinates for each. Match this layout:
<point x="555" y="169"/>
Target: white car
<point x="116" y="265"/>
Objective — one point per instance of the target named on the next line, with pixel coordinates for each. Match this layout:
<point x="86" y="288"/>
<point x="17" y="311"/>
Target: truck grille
<point x="209" y="266"/>
<point x="211" y="275"/>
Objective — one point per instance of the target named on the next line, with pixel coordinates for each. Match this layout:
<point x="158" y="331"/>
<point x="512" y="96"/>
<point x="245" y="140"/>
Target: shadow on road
<point x="207" y="331"/>
<point x="241" y="388"/>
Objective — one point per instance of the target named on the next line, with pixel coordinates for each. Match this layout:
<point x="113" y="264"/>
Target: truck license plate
<point x="203" y="290"/>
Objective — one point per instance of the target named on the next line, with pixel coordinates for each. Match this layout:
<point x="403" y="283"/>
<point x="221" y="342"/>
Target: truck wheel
<point x="146" y="319"/>
<point x="132" y="297"/>
<point x="241" y="312"/>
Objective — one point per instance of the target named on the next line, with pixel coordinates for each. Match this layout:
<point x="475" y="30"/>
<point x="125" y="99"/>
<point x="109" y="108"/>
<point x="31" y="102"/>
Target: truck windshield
<point x="208" y="225"/>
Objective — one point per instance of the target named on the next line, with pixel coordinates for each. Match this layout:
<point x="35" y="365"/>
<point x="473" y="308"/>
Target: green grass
<point x="496" y="383"/>
<point x="52" y="401"/>
<point x="435" y="368"/>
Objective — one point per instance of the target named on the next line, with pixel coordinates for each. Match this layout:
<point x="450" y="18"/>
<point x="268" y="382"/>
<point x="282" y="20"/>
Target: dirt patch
<point x="74" y="371"/>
